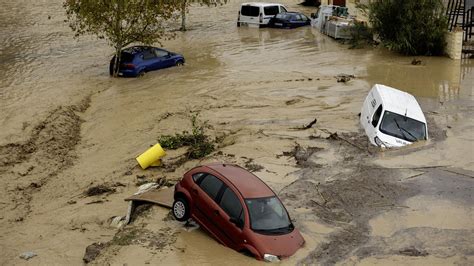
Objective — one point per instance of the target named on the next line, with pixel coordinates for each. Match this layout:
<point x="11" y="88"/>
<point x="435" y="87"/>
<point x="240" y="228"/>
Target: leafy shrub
<point x="361" y="35"/>
<point x="199" y="144"/>
<point x="411" y="27"/>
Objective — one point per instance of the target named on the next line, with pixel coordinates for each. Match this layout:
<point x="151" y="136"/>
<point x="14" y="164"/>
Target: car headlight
<point x="270" y="258"/>
<point x="379" y="142"/>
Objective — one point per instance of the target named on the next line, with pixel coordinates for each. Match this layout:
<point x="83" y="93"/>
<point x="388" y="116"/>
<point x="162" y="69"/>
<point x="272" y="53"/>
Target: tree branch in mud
<point x="337" y="137"/>
<point x="308" y="126"/>
<point x="121" y="22"/>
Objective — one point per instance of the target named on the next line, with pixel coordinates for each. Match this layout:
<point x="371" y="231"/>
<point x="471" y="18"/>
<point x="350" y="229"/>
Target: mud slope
<point x="26" y="167"/>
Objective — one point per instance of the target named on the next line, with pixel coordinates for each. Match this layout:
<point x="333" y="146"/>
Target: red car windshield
<point x="268" y="216"/>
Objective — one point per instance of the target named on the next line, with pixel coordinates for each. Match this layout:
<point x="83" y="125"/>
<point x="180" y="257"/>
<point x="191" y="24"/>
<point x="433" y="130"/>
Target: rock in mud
<point x="28" y="255"/>
<point x="344" y="77"/>
<point x="416" y="62"/>
<point x="99" y="190"/>
<point x="93" y="251"/>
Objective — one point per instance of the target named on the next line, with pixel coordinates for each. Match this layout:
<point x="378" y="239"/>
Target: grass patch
<point x="199" y="144"/>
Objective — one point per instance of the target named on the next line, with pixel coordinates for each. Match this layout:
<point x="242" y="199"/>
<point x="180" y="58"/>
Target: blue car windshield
<point x="268" y="216"/>
<point x="402" y="127"/>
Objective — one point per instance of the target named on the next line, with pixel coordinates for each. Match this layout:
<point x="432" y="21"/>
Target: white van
<point x="258" y="14"/>
<point x="392" y="118"/>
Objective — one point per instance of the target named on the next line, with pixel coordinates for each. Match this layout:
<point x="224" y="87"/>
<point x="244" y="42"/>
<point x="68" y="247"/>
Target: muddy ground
<point x="70" y="135"/>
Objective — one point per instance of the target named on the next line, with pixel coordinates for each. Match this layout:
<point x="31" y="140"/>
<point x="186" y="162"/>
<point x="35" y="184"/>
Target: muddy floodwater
<point x="66" y="126"/>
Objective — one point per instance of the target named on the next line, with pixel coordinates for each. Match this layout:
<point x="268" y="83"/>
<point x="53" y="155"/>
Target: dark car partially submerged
<point x="137" y="60"/>
<point x="289" y="20"/>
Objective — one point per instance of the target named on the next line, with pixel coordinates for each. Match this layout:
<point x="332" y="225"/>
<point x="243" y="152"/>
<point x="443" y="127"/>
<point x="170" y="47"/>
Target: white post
<point x="454" y="44"/>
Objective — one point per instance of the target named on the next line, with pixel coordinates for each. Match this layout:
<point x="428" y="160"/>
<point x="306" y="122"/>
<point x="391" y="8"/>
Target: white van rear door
<point x="249" y="14"/>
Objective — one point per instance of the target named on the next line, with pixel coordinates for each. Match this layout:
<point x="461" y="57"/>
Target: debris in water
<point x="344" y="77"/>
<point x="302" y="155"/>
<point x="190" y="225"/>
<point x="117" y="221"/>
<point x="95" y="202"/>
<point x="151" y="157"/>
<point x="310" y="125"/>
<point x="415" y="62"/>
<point x="253" y="167"/>
<point x="93" y="251"/>
<point x="99" y="190"/>
<point x="414" y="252"/>
<point x="28" y="255"/>
<point x="291" y="102"/>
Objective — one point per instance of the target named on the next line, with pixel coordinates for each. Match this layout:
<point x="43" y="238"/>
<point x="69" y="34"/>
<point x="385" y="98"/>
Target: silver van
<point x="258" y="14"/>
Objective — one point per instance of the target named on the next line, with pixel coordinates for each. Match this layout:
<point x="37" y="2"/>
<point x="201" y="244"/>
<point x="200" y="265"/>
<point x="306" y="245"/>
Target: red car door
<point x="206" y="209"/>
<point x="231" y="217"/>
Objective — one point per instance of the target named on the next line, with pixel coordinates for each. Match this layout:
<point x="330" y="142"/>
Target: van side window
<point x="211" y="185"/>
<point x="271" y="10"/>
<point x="230" y="203"/>
<point x="376" y="117"/>
<point x="251" y="11"/>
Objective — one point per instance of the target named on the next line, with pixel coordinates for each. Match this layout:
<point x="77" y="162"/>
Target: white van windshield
<point x="271" y="10"/>
<point x="251" y="11"/>
<point x="402" y="127"/>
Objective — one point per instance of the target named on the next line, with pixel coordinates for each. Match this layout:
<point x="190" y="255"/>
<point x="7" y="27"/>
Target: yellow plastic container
<point x="151" y="157"/>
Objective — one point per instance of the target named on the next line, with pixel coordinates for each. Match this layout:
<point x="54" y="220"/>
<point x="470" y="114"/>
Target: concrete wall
<point x="454" y="44"/>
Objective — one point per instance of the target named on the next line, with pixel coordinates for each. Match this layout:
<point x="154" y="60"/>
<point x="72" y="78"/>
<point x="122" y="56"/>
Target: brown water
<point x="239" y="78"/>
<point x="42" y="66"/>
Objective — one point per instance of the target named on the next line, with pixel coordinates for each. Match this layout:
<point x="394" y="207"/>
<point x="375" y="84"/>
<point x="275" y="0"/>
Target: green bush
<point x="361" y="35"/>
<point x="198" y="143"/>
<point x="411" y="27"/>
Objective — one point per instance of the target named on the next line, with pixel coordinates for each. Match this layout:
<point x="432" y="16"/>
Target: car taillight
<point x="128" y="66"/>
<point x="261" y="17"/>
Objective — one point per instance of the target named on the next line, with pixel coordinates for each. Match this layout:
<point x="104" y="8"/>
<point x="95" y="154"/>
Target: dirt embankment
<point x="27" y="166"/>
<point x="345" y="199"/>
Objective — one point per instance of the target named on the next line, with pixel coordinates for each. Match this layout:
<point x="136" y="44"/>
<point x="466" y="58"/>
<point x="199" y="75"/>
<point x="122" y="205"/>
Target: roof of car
<point x="260" y="4"/>
<point x="248" y="184"/>
<point x="137" y="49"/>
<point x="291" y="13"/>
<point x="400" y="102"/>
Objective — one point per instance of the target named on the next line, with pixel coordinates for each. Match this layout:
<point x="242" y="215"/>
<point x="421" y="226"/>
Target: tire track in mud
<point x="25" y="167"/>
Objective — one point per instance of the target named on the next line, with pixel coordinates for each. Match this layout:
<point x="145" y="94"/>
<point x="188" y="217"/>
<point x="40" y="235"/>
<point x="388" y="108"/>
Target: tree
<point x="184" y="7"/>
<point x="121" y="22"/>
<point x="411" y="27"/>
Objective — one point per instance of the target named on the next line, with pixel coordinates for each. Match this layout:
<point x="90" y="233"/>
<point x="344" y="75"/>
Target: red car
<point x="238" y="209"/>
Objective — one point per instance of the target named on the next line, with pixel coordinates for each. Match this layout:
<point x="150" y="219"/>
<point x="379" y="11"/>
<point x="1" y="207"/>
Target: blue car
<point x="289" y="20"/>
<point x="137" y="60"/>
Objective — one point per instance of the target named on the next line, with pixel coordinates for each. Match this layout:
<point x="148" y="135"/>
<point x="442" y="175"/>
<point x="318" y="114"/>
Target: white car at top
<point x="392" y="118"/>
<point x="258" y="14"/>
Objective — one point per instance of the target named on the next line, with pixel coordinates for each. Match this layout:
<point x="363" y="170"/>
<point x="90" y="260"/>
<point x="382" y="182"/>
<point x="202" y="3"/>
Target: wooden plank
<point x="162" y="197"/>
